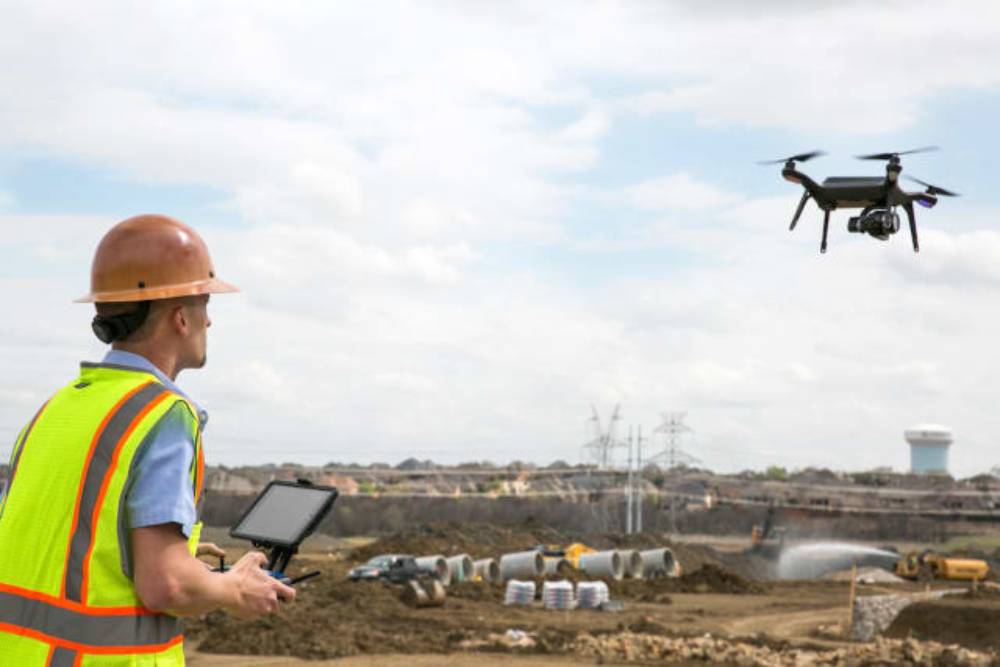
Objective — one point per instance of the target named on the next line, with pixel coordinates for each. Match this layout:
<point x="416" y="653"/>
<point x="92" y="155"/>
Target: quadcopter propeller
<point x="801" y="157"/>
<point x="933" y="189"/>
<point x="895" y="156"/>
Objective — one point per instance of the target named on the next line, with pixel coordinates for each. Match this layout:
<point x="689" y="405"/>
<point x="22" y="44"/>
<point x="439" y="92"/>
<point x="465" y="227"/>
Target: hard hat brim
<point x="210" y="286"/>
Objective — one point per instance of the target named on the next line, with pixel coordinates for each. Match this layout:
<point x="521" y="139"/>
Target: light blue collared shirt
<point x="161" y="489"/>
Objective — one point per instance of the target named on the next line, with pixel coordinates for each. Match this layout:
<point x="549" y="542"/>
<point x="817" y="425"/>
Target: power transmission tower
<point x="672" y="428"/>
<point x="601" y="448"/>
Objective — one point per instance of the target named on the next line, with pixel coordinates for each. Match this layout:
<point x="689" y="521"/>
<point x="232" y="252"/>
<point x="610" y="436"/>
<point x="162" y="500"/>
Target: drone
<point x="877" y="197"/>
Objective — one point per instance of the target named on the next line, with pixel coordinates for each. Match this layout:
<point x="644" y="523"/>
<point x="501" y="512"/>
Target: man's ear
<point x="179" y="319"/>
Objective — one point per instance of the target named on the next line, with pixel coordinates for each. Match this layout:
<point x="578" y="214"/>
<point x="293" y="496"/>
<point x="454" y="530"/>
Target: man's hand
<point x="209" y="549"/>
<point x="169" y="579"/>
<point x="257" y="592"/>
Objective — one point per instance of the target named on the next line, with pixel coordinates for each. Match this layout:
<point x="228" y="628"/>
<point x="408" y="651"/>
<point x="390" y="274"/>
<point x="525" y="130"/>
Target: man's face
<point x="196" y="343"/>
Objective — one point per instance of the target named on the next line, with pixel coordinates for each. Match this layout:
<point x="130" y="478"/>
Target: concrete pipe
<point x="414" y="595"/>
<point x="558" y="567"/>
<point x="436" y="565"/>
<point x="603" y="564"/>
<point x="459" y="567"/>
<point x="658" y="563"/>
<point x="486" y="569"/>
<point x="522" y="565"/>
<point x="632" y="564"/>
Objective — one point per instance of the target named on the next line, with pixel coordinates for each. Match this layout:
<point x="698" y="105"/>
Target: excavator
<point x="765" y="539"/>
<point x="927" y="566"/>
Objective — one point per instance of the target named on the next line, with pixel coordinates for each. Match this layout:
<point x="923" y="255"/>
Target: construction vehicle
<point x="927" y="566"/>
<point x="766" y="539"/>
<point x="571" y="552"/>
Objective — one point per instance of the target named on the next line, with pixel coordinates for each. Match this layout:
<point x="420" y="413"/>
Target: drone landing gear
<point x="908" y="207"/>
<point x="826" y="227"/>
<point x="798" y="212"/>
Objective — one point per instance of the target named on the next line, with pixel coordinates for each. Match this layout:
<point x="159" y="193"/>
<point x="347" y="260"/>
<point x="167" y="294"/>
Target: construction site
<point x="708" y="604"/>
<point x="422" y="564"/>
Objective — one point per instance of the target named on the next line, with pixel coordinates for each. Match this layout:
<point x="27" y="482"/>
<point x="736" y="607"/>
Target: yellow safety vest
<point x="66" y="593"/>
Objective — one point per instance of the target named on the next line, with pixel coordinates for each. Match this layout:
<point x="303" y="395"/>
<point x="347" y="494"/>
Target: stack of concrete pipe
<point x="486" y="569"/>
<point x="460" y="567"/>
<point x="603" y="564"/>
<point x="632" y="564"/>
<point x="522" y="565"/>
<point x="436" y="564"/>
<point x="658" y="563"/>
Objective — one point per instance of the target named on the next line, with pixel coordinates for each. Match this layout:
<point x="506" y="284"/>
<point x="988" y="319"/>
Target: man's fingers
<point x="252" y="559"/>
<point x="210" y="549"/>
<point x="285" y="593"/>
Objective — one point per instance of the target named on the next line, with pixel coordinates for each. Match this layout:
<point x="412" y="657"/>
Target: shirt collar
<point x="139" y="362"/>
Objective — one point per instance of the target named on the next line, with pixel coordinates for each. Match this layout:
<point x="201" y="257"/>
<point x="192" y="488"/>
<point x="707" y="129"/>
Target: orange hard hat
<point x="151" y="257"/>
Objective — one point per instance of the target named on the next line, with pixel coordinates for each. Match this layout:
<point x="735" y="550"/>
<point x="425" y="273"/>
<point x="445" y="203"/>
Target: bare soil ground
<point x="358" y="624"/>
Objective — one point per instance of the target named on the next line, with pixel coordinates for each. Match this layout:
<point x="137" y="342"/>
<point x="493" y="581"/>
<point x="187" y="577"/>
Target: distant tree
<point x="776" y="472"/>
<point x="414" y="464"/>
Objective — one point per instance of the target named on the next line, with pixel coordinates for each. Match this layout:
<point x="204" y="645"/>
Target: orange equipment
<point x="927" y="566"/>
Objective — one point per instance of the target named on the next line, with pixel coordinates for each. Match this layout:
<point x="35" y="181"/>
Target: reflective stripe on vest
<point x="73" y="626"/>
<point x="93" y="439"/>
<point x="112" y="433"/>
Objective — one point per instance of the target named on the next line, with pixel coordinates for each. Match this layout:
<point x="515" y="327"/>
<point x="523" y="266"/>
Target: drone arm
<point x="798" y="212"/>
<point x="908" y="207"/>
<point x="826" y="226"/>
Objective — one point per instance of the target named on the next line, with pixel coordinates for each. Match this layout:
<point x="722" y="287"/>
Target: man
<point x="98" y="527"/>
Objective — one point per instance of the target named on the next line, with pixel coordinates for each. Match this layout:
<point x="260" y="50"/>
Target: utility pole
<point x="628" y="489"/>
<point x="638" y="509"/>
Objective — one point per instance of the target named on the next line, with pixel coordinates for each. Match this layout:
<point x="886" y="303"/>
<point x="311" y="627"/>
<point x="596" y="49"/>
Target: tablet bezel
<point x="259" y="540"/>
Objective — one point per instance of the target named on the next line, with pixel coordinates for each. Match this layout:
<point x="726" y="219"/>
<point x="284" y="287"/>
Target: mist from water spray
<point x="809" y="561"/>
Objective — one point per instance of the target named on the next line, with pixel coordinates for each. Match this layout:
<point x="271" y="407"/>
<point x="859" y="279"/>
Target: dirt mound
<point x="706" y="579"/>
<point x="477" y="540"/>
<point x="983" y="591"/>
<point x="330" y="619"/>
<point x="969" y="623"/>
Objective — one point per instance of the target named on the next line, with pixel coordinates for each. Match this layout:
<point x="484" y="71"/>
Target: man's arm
<point x="169" y="579"/>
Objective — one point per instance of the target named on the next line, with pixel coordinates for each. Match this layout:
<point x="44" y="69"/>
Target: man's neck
<point x="166" y="362"/>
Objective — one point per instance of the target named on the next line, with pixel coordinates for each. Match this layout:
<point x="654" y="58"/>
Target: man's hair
<point x="140" y="312"/>
<point x="155" y="308"/>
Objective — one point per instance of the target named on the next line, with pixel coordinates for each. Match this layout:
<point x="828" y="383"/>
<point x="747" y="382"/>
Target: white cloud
<point x="400" y="186"/>
<point x="679" y="192"/>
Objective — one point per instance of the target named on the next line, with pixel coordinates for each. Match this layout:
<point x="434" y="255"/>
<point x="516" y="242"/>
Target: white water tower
<point x="929" y="445"/>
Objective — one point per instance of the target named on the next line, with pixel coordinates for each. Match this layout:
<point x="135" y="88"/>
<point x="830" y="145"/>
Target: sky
<point x="457" y="226"/>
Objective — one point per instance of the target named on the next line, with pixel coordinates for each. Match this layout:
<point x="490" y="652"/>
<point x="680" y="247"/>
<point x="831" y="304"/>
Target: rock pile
<point x="631" y="647"/>
<point x="874" y="613"/>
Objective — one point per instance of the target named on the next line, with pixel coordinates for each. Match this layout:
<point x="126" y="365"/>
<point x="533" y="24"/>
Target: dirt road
<point x="453" y="660"/>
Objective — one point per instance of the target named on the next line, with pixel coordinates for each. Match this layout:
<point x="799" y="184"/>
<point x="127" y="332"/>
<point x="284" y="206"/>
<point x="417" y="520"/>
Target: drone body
<point x="877" y="197"/>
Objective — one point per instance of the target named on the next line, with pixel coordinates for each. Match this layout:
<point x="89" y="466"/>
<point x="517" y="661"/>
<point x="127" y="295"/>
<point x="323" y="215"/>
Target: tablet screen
<point x="283" y="514"/>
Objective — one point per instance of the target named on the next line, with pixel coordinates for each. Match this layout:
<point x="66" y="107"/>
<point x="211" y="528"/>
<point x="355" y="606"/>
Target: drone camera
<point x="879" y="224"/>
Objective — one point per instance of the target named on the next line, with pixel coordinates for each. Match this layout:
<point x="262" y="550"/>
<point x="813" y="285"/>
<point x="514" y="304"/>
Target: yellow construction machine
<point x="570" y="552"/>
<point x="928" y="565"/>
